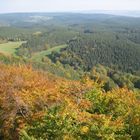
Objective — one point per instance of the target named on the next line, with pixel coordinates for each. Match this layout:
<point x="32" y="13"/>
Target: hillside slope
<point x="36" y="105"/>
<point x="107" y="49"/>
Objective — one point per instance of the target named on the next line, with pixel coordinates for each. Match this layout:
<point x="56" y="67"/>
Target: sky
<point x="8" y="6"/>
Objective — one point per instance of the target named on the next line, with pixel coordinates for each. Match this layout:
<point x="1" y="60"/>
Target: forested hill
<point x="108" y="49"/>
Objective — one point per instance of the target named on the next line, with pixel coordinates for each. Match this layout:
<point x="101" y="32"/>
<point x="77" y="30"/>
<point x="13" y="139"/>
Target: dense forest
<point x="108" y="50"/>
<point x="68" y="76"/>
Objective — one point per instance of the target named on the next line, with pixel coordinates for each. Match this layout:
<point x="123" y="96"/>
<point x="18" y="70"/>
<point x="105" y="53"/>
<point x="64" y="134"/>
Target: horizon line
<point x="72" y="11"/>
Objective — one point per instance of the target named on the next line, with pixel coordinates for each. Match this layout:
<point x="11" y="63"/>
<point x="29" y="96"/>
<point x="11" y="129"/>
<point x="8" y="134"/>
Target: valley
<point x="69" y="76"/>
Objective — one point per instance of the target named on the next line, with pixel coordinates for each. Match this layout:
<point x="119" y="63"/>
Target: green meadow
<point x="10" y="48"/>
<point x="39" y="55"/>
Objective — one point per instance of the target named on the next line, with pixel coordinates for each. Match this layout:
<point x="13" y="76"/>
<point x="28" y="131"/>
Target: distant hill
<point x="115" y="12"/>
<point x="43" y="19"/>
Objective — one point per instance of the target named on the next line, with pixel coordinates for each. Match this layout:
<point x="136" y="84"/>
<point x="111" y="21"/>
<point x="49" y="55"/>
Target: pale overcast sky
<point x="66" y="5"/>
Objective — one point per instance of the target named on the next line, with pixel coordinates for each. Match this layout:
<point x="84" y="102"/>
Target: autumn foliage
<point x="39" y="106"/>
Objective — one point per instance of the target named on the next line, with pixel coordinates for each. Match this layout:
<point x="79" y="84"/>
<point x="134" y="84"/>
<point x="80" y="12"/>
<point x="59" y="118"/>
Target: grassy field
<point x="38" y="56"/>
<point x="9" y="48"/>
